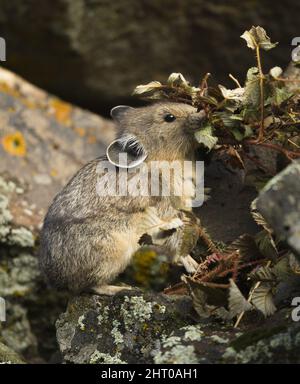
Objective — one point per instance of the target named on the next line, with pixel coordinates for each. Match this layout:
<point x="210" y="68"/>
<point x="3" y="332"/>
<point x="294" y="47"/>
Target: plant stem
<point x="262" y="96"/>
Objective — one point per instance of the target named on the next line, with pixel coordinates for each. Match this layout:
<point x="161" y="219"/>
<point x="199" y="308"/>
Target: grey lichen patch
<point x="7" y="187"/>
<point x="170" y="341"/>
<point x="81" y="323"/>
<point x="284" y="346"/>
<point x="135" y="309"/>
<point x="179" y="354"/>
<point x="21" y="237"/>
<point x="104" y="358"/>
<point x="219" y="339"/>
<point x="116" y="334"/>
<point x="16" y="332"/>
<point x="18" y="275"/>
<point x="104" y="315"/>
<point x="178" y="349"/>
<point x="253" y="353"/>
<point x="5" y="217"/>
<point x="192" y="333"/>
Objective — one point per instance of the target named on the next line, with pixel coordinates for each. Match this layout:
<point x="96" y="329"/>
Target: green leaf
<point x="247" y="247"/>
<point x="232" y="94"/>
<point x="177" y="80"/>
<point x="282" y="269"/>
<point x="147" y="89"/>
<point x="262" y="299"/>
<point x="238" y="135"/>
<point x="252" y="88"/>
<point x="280" y="95"/>
<point x="205" y="137"/>
<point x="236" y="301"/>
<point x="264" y="274"/>
<point x="266" y="245"/>
<point x="206" y="300"/>
<point x="258" y="218"/>
<point x="257" y="37"/>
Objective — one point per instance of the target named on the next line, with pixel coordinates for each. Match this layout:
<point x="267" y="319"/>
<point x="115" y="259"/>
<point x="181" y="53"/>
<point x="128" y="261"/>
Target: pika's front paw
<point x="110" y="290"/>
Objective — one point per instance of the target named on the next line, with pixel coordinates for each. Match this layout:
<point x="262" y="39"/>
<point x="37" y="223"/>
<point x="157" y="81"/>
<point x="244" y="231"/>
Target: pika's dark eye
<point x="169" y="118"/>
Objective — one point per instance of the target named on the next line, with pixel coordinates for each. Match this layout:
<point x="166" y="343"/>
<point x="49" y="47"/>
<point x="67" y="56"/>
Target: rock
<point x="121" y="329"/>
<point x="95" y="53"/>
<point x="144" y="327"/>
<point x="279" y="203"/>
<point x="276" y="341"/>
<point x="226" y="214"/>
<point x="43" y="142"/>
<point x="7" y="356"/>
<point x="138" y="327"/>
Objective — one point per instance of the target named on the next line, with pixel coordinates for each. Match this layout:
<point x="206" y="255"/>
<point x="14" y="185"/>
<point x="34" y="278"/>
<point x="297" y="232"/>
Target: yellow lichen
<point x="62" y="111"/>
<point x="53" y="172"/>
<point x="80" y="131"/>
<point x="14" y="144"/>
<point x="92" y="139"/>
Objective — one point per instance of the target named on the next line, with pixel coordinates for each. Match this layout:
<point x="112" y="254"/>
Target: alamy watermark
<point x="2" y="49"/>
<point x="296" y="311"/>
<point x="296" y="51"/>
<point x="154" y="178"/>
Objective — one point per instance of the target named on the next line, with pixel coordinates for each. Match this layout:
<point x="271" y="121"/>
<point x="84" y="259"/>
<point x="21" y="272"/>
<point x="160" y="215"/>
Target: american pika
<point x="87" y="238"/>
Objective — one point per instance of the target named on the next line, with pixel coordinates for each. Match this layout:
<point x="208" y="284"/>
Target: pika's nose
<point x="195" y="120"/>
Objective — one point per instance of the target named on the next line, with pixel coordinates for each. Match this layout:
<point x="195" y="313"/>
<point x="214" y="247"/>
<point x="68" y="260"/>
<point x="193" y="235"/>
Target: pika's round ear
<point x="118" y="112"/>
<point x="126" y="152"/>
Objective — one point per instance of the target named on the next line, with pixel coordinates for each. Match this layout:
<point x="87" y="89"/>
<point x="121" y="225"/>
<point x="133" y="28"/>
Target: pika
<point x="87" y="238"/>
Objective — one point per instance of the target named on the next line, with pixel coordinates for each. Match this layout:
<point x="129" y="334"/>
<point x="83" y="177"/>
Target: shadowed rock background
<point x="94" y="52"/>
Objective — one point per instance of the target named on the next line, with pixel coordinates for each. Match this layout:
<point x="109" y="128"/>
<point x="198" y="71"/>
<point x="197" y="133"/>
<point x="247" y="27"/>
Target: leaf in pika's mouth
<point x="205" y="137"/>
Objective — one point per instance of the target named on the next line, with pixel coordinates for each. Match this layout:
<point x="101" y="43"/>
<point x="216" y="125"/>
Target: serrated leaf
<point x="282" y="269"/>
<point x="236" y="301"/>
<point x="147" y="89"/>
<point x="177" y="80"/>
<point x="205" y="137"/>
<point x="232" y="94"/>
<point x="266" y="245"/>
<point x="257" y="37"/>
<point x="247" y="247"/>
<point x="206" y="300"/>
<point x="262" y="299"/>
<point x="264" y="274"/>
<point x="258" y="218"/>
<point x="294" y="263"/>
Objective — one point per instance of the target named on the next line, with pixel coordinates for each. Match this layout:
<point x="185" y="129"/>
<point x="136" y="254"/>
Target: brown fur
<point x="87" y="239"/>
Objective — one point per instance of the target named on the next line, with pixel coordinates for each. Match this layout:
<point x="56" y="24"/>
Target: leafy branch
<point x="263" y="112"/>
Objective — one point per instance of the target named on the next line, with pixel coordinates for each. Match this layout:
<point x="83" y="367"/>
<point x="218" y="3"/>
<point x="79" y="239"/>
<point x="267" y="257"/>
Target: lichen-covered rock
<point x="203" y="343"/>
<point x="272" y="344"/>
<point x="43" y="142"/>
<point x="8" y="356"/>
<point x="125" y="328"/>
<point x="138" y="327"/>
<point x="279" y="203"/>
